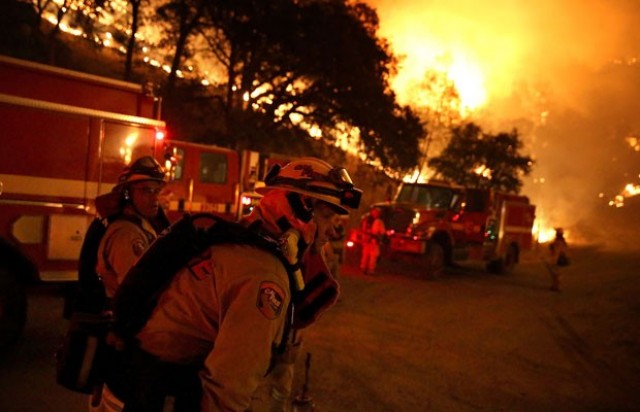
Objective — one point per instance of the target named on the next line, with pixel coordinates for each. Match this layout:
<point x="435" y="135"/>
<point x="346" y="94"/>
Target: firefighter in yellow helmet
<point x="136" y="222"/>
<point x="214" y="332"/>
<point x="135" y="219"/>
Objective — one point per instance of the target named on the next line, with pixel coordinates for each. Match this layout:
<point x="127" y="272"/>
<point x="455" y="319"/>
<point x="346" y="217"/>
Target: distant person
<point x="373" y="231"/>
<point x="135" y="219"/>
<point x="558" y="258"/>
<point x="334" y="248"/>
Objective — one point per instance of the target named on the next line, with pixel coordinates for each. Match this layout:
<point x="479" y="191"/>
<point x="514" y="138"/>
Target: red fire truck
<point x="439" y="223"/>
<point x="65" y="138"/>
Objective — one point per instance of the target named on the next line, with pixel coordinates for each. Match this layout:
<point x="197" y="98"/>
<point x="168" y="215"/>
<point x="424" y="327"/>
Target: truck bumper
<point x="408" y="245"/>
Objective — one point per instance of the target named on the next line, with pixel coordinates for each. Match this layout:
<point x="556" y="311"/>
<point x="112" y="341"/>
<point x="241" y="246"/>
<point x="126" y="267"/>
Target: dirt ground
<point x="474" y="341"/>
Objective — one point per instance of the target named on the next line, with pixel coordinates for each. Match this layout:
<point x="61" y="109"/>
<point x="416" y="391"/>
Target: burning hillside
<point x="564" y="73"/>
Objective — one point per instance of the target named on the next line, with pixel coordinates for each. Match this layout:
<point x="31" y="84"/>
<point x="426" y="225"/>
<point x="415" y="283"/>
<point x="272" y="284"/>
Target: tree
<point x="297" y="65"/>
<point x="439" y="107"/>
<point x="131" y="42"/>
<point x="480" y="160"/>
<point x="184" y="17"/>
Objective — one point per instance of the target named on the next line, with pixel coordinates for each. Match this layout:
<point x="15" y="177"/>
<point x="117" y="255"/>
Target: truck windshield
<point x="432" y="197"/>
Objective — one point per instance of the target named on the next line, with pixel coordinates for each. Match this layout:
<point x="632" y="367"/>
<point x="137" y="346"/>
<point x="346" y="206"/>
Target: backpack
<point x="88" y="295"/>
<point x="184" y="240"/>
<point x="83" y="357"/>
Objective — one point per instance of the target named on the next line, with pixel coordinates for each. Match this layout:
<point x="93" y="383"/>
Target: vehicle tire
<point x="494" y="266"/>
<point x="13" y="308"/>
<point x="510" y="260"/>
<point x="434" y="260"/>
<point x="506" y="264"/>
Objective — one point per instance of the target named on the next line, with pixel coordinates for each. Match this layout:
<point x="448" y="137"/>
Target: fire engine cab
<point x="440" y="223"/>
<point x="66" y="136"/>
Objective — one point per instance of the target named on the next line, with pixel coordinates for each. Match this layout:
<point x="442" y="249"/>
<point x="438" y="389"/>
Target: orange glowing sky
<point x="494" y="47"/>
<point x="561" y="71"/>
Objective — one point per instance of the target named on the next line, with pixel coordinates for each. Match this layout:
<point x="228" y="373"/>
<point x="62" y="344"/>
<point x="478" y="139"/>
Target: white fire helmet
<point x="317" y="179"/>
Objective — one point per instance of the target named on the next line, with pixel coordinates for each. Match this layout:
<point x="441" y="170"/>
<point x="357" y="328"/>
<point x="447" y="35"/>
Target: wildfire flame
<point x="629" y="190"/>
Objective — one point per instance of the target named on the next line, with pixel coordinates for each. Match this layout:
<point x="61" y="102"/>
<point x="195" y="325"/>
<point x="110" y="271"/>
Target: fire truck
<point x="66" y="136"/>
<point x="438" y="223"/>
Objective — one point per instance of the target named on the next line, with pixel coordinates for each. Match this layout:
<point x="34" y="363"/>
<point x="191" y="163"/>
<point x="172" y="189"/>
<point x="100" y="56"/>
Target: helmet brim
<point x="137" y="179"/>
<point x="330" y="200"/>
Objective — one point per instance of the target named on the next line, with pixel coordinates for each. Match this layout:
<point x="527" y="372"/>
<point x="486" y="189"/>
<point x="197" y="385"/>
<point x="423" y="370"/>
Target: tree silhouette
<point x="304" y="64"/>
<point x="485" y="161"/>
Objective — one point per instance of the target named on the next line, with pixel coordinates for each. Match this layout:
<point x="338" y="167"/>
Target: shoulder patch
<point x="270" y="300"/>
<point x="201" y="268"/>
<point x="138" y="247"/>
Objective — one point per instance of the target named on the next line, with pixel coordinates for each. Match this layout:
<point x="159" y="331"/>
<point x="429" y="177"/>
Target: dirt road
<point x="468" y="342"/>
<point x="474" y="341"/>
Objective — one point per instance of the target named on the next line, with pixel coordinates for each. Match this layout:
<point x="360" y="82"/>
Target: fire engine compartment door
<point x="517" y="224"/>
<point x="65" y="236"/>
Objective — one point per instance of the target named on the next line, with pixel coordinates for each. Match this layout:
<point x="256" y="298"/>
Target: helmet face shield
<point x="340" y="177"/>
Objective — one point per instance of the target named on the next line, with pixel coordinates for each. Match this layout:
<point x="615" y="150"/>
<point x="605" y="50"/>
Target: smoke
<point x="560" y="71"/>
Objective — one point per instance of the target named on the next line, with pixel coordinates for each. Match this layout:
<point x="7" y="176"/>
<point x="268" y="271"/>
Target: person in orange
<point x="216" y="329"/>
<point x="373" y="230"/>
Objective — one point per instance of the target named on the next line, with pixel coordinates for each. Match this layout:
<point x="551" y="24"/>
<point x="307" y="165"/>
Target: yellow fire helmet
<point x="145" y="168"/>
<point x="315" y="178"/>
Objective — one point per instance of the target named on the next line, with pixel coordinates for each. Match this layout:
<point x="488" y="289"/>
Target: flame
<point x="544" y="232"/>
<point x="465" y="74"/>
<point x="483" y="171"/>
<point x="634" y="142"/>
<point x="629" y="190"/>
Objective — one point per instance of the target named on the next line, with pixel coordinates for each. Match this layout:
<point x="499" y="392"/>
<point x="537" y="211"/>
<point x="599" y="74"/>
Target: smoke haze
<point x="563" y="72"/>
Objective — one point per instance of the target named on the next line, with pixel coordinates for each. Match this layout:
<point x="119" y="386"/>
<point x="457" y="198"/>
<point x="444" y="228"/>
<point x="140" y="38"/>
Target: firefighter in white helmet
<point x="215" y="330"/>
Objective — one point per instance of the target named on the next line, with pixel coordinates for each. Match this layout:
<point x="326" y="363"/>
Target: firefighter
<point x="558" y="257"/>
<point x="373" y="231"/>
<point x="213" y="334"/>
<point x="138" y="220"/>
<point x="135" y="219"/>
<point x="334" y="248"/>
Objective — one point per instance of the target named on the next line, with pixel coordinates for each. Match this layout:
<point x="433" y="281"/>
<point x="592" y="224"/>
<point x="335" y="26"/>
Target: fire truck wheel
<point x="434" y="260"/>
<point x="510" y="260"/>
<point x="13" y="308"/>
<point x="506" y="264"/>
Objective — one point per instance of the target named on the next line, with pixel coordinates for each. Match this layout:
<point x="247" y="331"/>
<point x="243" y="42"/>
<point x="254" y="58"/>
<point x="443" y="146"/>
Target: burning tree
<point x="481" y="160"/>
<point x="307" y="68"/>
